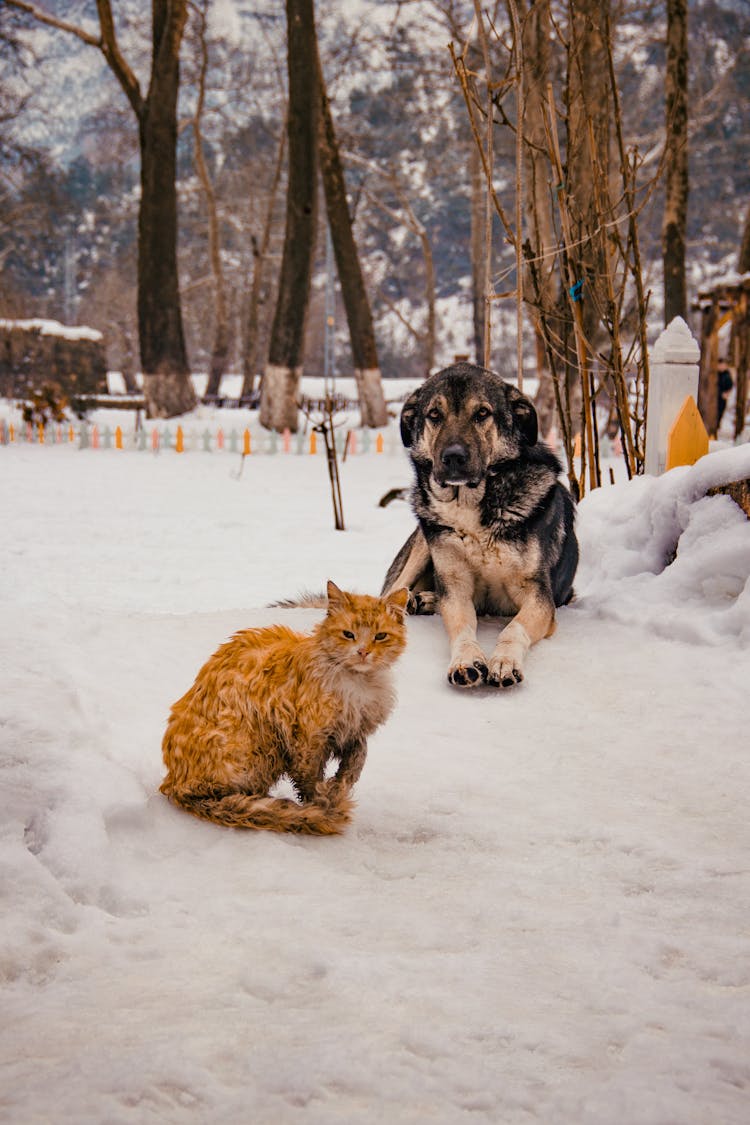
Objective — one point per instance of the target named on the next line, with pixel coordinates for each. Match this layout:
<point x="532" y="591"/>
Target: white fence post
<point x="673" y="376"/>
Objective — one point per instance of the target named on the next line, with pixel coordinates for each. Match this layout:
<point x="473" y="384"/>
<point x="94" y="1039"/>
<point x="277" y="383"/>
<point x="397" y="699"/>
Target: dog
<point x="495" y="532"/>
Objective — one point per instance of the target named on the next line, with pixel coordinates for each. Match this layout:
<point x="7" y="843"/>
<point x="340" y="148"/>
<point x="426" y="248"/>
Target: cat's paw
<point x="330" y="791"/>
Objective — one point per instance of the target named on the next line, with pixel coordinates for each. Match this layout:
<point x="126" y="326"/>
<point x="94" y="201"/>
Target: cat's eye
<point x="348" y="634"/>
<point x="380" y="636"/>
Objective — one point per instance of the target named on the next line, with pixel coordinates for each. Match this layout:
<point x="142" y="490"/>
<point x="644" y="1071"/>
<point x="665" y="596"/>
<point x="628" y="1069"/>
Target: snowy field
<point x="540" y="911"/>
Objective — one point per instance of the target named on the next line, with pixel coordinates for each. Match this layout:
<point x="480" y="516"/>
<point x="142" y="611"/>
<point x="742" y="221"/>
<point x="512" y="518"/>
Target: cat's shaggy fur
<point x="271" y="702"/>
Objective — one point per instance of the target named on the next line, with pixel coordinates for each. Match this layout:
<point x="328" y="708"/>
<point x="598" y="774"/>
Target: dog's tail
<point x="305" y="600"/>
<point x="326" y="816"/>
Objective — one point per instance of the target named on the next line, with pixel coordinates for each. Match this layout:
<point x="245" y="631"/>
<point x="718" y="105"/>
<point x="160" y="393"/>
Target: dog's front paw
<point x="506" y="666"/>
<point x="467" y="675"/>
<point x="468" y="666"/>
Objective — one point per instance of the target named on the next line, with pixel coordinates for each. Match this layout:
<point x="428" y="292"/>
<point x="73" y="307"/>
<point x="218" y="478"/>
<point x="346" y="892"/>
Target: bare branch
<point x="106" y="42"/>
<point x="53" y="21"/>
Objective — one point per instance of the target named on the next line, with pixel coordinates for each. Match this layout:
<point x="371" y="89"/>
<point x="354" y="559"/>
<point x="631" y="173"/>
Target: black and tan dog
<point x="495" y="534"/>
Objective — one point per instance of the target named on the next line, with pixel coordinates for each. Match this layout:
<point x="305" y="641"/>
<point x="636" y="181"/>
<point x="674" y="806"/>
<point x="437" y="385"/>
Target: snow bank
<point x="658" y="552"/>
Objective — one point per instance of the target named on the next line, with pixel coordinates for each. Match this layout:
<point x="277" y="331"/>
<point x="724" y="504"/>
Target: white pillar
<point x="673" y="375"/>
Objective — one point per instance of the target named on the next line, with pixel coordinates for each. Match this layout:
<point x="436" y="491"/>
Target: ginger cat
<point x="271" y="702"/>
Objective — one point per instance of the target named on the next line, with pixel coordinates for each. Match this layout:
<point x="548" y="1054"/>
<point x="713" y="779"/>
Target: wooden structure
<point x="35" y="352"/>
<point x="725" y="303"/>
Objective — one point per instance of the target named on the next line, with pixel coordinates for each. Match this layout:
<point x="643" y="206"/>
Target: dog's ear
<point x="409" y="419"/>
<point x="524" y="414"/>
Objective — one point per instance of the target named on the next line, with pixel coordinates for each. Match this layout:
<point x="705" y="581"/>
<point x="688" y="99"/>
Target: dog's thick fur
<point x="495" y="534"/>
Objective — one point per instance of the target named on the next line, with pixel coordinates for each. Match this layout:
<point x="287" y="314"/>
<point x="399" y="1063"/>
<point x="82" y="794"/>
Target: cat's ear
<point x="336" y="597"/>
<point x="398" y="600"/>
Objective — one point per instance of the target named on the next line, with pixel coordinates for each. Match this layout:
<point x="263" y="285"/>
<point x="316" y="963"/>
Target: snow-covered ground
<point x="540" y="911"/>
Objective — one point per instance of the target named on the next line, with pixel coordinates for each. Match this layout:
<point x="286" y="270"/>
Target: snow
<point x="52" y="328"/>
<point x="539" y="912"/>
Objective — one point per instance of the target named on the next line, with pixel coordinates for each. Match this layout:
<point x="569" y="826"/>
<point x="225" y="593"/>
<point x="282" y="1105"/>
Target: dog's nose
<point x="455" y="458"/>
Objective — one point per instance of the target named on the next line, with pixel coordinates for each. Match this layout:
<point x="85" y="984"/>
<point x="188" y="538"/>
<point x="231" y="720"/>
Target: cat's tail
<point x="305" y="600"/>
<point x="326" y="816"/>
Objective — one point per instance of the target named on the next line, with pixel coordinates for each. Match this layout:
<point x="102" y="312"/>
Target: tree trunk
<point x="166" y="383"/>
<point x="128" y="358"/>
<point x="278" y="406"/>
<point x="743" y="263"/>
<point x="260" y="250"/>
<point x="358" y="314"/>
<point x="541" y="288"/>
<point x="220" y="349"/>
<point x="589" y="107"/>
<point x="476" y="243"/>
<point x="676" y="164"/>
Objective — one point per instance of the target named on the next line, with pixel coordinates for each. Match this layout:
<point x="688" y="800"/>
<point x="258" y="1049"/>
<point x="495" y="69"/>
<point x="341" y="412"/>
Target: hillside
<point x="70" y="190"/>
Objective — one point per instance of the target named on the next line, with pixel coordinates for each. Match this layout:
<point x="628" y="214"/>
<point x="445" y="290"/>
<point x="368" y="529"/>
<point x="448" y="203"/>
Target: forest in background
<point x="69" y="172"/>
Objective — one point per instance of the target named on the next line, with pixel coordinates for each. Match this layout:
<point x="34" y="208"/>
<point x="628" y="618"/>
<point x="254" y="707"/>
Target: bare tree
<point x="260" y="247"/>
<point x="221" y="337"/>
<point x="674" y="225"/>
<point x="281" y="379"/>
<point x="588" y="250"/>
<point x="476" y="249"/>
<point x="542" y="289"/>
<point x="164" y="363"/>
<point x="358" y="313"/>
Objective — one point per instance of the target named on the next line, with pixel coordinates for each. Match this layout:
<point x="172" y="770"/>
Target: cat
<point x="271" y="702"/>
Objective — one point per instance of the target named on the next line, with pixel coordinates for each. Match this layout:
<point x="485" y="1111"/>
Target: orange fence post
<point x="379" y="444"/>
<point x="118" y="438"/>
<point x="219" y="438"/>
<point x="155" y="440"/>
<point x="287" y="440"/>
<point x="95" y="437"/>
<point x="246" y="443"/>
<point x="179" y="445"/>
<point x="313" y="442"/>
<point x="687" y="439"/>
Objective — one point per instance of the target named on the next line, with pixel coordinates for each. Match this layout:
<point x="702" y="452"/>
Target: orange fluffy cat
<point x="271" y="702"/>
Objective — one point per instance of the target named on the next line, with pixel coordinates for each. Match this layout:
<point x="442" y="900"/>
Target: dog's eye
<point x="482" y="414"/>
<point x="348" y="634"/>
<point x="434" y="415"/>
<point x="380" y="636"/>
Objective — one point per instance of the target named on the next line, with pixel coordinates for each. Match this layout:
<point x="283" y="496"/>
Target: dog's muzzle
<point x="454" y="466"/>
